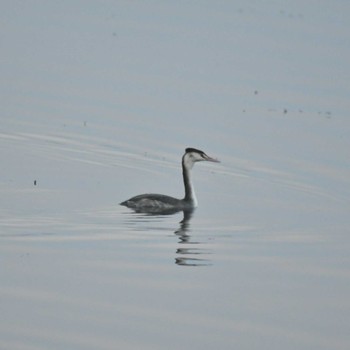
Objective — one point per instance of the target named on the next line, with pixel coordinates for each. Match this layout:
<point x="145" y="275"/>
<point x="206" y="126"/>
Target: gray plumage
<point x="157" y="203"/>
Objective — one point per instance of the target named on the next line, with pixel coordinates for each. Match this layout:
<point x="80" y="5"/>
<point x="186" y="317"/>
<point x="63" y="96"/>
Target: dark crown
<point x="188" y="150"/>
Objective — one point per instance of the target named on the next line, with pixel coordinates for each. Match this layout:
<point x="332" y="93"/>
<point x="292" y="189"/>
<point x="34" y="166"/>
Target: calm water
<point x="102" y="107"/>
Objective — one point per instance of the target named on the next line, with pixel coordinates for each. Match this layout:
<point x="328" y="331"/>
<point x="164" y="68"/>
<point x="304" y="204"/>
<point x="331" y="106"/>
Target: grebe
<point x="158" y="203"/>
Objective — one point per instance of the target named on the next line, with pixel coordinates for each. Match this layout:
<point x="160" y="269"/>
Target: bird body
<point x="151" y="202"/>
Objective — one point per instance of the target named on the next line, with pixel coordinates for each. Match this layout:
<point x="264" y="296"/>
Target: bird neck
<point x="190" y="195"/>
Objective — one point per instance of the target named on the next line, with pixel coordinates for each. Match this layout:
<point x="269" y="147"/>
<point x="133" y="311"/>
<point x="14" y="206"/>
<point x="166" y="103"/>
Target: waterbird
<point x="159" y="203"/>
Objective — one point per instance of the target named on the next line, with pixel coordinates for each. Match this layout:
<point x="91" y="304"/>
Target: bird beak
<point x="210" y="159"/>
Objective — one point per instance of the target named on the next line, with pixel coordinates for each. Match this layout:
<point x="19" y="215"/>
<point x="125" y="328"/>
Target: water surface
<point x="98" y="105"/>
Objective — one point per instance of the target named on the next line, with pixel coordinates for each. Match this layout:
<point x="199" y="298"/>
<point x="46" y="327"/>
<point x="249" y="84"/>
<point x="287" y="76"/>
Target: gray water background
<point x="99" y="101"/>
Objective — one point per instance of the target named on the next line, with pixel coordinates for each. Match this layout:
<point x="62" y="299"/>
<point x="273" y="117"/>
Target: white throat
<point x="190" y="195"/>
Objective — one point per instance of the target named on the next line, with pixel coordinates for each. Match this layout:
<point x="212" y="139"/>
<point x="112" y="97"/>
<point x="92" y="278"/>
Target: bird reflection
<point x="189" y="251"/>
